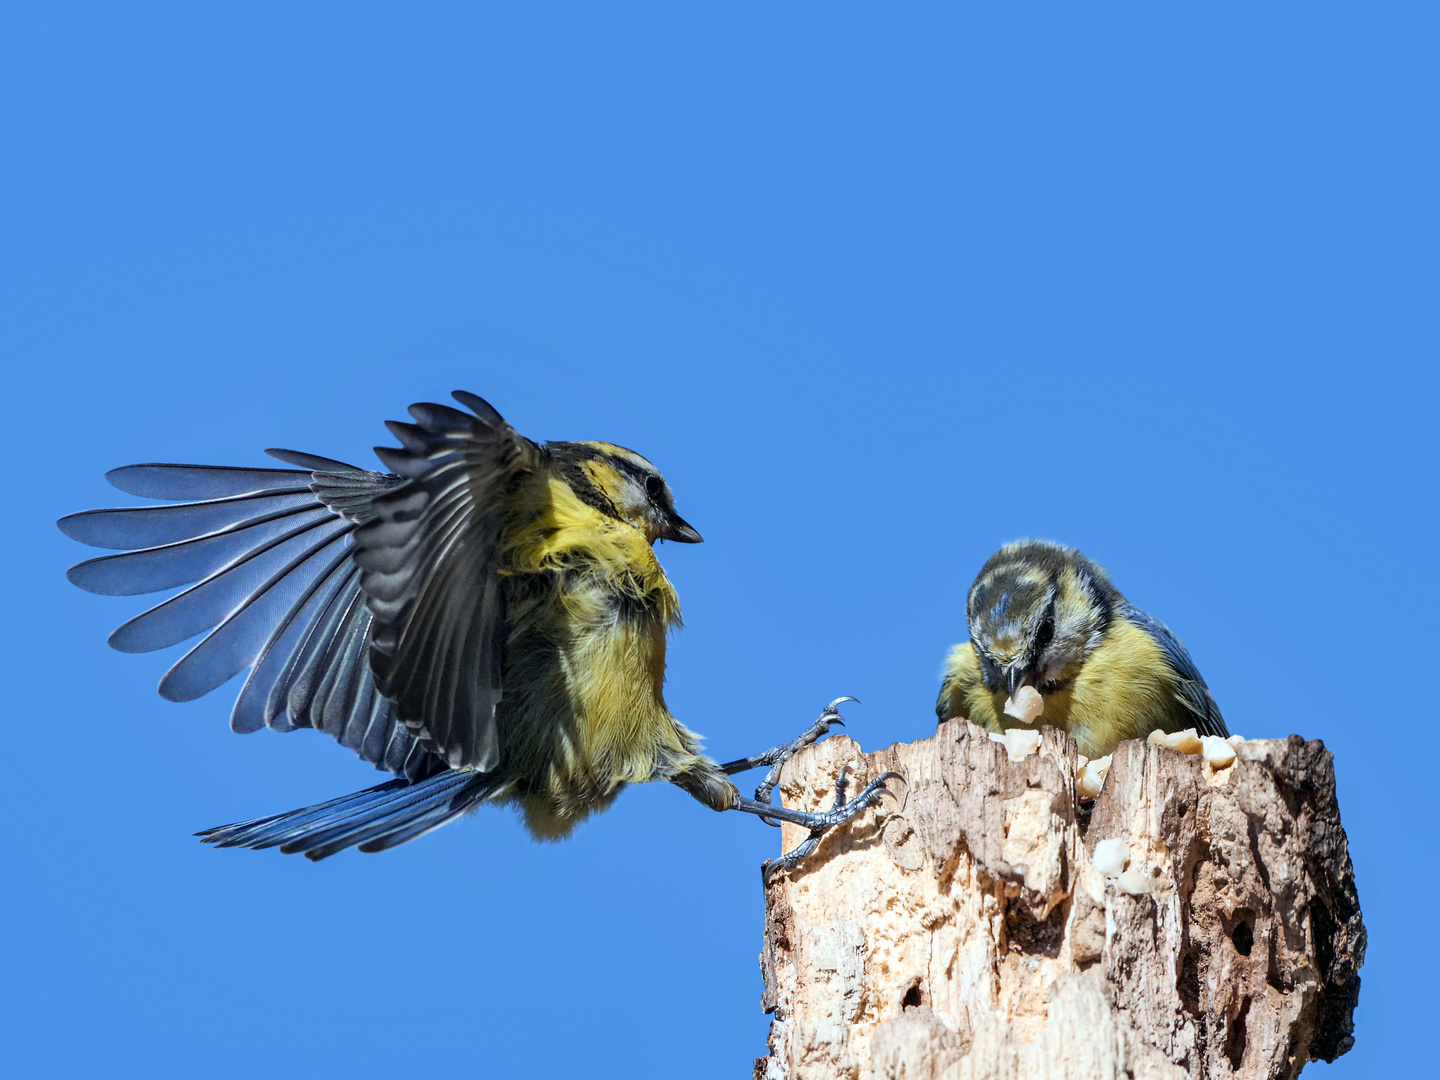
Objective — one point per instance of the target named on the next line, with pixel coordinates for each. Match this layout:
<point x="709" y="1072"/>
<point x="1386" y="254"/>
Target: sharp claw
<point x="877" y="787"/>
<point x="841" y="813"/>
<point x="867" y="798"/>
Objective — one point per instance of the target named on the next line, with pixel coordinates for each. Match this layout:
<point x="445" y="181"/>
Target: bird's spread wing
<point x="266" y="554"/>
<point x="428" y="569"/>
<point x="1193" y="692"/>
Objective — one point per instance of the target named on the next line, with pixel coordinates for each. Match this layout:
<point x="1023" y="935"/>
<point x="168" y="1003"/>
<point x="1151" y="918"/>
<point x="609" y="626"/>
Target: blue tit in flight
<point x="1042" y="615"/>
<point x="486" y="620"/>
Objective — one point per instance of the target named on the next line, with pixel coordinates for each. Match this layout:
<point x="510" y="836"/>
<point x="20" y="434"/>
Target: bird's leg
<point x="776" y="756"/>
<point x="710" y="783"/>
<point x="819" y="823"/>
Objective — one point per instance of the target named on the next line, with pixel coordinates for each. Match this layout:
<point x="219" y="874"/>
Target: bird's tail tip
<point x="375" y="819"/>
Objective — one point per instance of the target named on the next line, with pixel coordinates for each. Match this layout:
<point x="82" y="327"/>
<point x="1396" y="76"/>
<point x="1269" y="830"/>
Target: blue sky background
<point x="878" y="287"/>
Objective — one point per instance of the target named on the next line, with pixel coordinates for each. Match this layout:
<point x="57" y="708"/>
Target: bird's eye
<point x="1045" y="634"/>
<point x="654" y="486"/>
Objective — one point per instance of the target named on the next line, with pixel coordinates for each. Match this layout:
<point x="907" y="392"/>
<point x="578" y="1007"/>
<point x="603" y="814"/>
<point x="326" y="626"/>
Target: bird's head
<point x="1036" y="611"/>
<point x="622" y="484"/>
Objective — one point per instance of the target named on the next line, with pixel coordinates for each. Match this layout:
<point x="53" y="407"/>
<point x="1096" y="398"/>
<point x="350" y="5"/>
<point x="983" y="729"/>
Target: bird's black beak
<point x="679" y="530"/>
<point x="1016" y="676"/>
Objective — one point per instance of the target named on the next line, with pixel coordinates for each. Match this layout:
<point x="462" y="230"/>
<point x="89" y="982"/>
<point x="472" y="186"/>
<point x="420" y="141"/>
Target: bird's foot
<point x="776" y="756"/>
<point x="821" y="822"/>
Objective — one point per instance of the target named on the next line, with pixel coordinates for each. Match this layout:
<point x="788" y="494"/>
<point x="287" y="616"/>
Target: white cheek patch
<point x="1074" y="638"/>
<point x="1074" y="628"/>
<point x="630" y="500"/>
<point x="1070" y="617"/>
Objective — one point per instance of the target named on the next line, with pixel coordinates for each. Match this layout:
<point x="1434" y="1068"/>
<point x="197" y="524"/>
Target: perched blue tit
<point x="1044" y="616"/>
<point x="487" y="620"/>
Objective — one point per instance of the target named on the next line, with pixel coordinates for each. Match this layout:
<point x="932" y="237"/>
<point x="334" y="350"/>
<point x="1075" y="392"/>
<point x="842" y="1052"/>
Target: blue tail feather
<point x="375" y="819"/>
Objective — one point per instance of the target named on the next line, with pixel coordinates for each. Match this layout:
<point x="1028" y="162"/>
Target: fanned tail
<point x="376" y="819"/>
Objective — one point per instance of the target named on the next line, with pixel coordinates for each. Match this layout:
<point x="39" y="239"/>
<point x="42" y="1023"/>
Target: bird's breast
<point x="584" y="708"/>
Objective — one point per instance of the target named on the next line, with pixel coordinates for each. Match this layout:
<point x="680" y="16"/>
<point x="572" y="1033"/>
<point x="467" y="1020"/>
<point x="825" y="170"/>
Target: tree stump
<point x="962" y="931"/>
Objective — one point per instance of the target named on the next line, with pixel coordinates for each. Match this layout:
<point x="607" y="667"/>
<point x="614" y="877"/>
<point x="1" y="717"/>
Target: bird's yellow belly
<point x="592" y="717"/>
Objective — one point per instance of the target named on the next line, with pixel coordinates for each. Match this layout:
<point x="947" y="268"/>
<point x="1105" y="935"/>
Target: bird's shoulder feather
<point x="1191" y="689"/>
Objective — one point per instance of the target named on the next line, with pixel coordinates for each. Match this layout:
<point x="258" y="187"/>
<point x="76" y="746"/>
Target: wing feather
<point x="241" y="636"/>
<point x="260" y="702"/>
<point x="428" y="559"/>
<point x="133" y="527"/>
<point x="268" y="558"/>
<point x="1193" y="693"/>
<point x="207" y="602"/>
<point x="186" y="483"/>
<point x="167" y="566"/>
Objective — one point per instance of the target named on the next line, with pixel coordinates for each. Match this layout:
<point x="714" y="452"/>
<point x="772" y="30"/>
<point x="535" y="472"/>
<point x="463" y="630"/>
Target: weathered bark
<point x="963" y="932"/>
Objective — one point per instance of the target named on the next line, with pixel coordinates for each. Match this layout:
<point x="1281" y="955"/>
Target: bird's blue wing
<point x="1192" y="691"/>
<point x="266" y="554"/>
<point x="428" y="559"/>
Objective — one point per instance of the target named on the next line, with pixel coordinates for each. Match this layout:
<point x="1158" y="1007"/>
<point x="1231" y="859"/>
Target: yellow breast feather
<point x="558" y="532"/>
<point x="606" y="613"/>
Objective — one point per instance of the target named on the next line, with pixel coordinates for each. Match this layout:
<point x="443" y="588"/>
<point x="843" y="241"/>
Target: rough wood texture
<point x="962" y="931"/>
